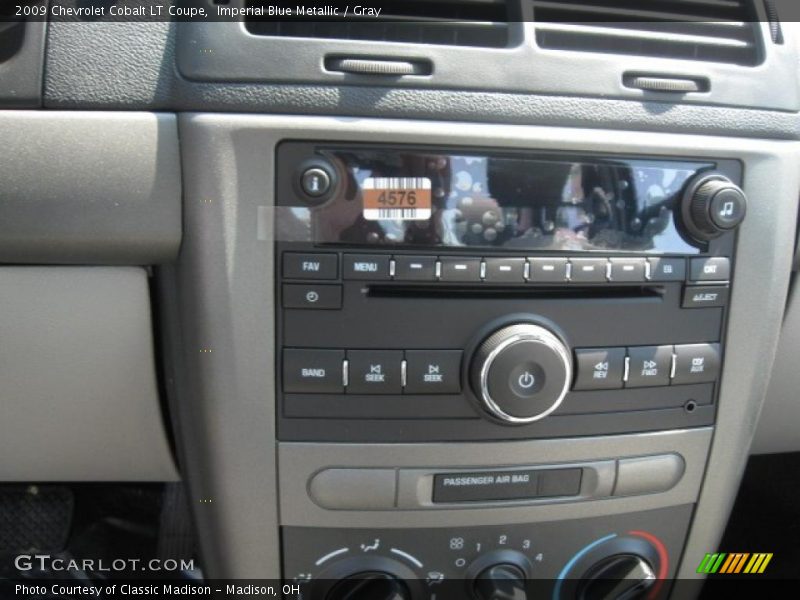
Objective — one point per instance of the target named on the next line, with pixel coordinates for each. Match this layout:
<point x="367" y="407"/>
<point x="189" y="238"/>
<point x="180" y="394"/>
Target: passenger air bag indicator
<point x="397" y="198"/>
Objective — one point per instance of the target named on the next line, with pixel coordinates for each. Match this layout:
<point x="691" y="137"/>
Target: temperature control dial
<point x="521" y="373"/>
<point x="713" y="205"/>
<point x="369" y="585"/>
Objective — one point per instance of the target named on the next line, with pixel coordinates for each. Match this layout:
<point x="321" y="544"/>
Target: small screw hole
<point x="690" y="406"/>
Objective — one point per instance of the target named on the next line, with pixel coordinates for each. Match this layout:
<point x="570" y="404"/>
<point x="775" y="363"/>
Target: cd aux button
<point x="599" y="368"/>
<point x="696" y="363"/>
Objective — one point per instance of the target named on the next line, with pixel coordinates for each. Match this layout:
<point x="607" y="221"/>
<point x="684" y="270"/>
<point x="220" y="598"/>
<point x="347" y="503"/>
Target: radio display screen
<point x="410" y="198"/>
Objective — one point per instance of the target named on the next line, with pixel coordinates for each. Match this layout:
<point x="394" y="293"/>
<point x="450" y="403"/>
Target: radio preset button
<point x="433" y="371"/>
<point x="312" y="371"/>
<point x="717" y="268"/>
<point x="588" y="270"/>
<point x="548" y="270"/>
<point x="297" y="265"/>
<point x="374" y="371"/>
<point x="505" y="270"/>
<point x="627" y="270"/>
<point x="705" y="296"/>
<point x="696" y="363"/>
<point x="366" y="266"/>
<point x="667" y="269"/>
<point x="320" y="297"/>
<point x="649" y="366"/>
<point x="460" y="269"/>
<point x="415" y="268"/>
<point x="599" y="368"/>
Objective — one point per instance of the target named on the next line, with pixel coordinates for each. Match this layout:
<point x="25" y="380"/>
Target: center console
<point x="472" y="361"/>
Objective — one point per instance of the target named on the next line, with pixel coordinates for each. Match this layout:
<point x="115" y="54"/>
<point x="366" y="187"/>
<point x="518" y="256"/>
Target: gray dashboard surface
<point x="131" y="66"/>
<point x="90" y="188"/>
<point x="77" y="377"/>
<point x="778" y="425"/>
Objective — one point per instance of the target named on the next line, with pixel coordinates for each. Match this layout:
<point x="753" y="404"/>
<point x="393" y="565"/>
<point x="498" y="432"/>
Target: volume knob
<point x="521" y="373"/>
<point x="712" y="206"/>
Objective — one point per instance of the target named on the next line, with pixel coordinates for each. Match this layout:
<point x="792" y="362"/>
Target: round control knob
<point x="617" y="577"/>
<point x="369" y="585"/>
<point x="713" y="205"/>
<point x="500" y="582"/>
<point x="521" y="373"/>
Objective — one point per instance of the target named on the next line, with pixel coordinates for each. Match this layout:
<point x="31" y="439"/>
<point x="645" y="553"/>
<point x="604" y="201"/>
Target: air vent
<point x="722" y="31"/>
<point x="442" y="22"/>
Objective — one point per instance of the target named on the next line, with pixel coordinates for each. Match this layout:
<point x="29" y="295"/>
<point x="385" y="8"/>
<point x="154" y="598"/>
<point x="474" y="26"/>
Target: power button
<point x="526" y="380"/>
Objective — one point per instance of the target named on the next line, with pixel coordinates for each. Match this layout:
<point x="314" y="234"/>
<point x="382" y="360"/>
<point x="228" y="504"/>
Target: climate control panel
<point x="623" y="556"/>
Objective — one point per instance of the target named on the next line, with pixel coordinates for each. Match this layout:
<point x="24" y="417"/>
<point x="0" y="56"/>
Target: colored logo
<point x="734" y="562"/>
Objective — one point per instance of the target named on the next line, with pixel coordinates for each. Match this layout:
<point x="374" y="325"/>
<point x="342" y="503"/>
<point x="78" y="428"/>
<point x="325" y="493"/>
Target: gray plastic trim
<point x="77" y="377"/>
<point x="141" y="58"/>
<point x="297" y="463"/>
<point x="778" y="425"/>
<point x="21" y="75"/>
<point x="226" y="400"/>
<point x="89" y="188"/>
<point x="227" y="52"/>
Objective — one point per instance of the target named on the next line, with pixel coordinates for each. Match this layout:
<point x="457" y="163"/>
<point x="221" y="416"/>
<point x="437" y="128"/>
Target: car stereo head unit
<point x="434" y="293"/>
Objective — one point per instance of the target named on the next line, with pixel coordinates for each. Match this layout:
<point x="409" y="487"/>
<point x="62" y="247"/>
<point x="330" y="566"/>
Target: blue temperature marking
<point x="573" y="560"/>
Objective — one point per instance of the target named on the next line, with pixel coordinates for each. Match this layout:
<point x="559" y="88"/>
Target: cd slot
<point x="577" y="292"/>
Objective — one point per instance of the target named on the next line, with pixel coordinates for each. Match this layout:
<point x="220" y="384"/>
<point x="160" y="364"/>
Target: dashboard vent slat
<point x="722" y="31"/>
<point x="482" y="23"/>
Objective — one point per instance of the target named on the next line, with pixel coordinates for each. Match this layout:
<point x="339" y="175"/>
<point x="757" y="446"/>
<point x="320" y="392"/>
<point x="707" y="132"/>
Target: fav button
<point x="433" y="371"/>
<point x="649" y="366"/>
<point x="696" y="363"/>
<point x="599" y="368"/>
<point x="297" y="265"/>
<point x="374" y="371"/>
<point x="366" y="266"/>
